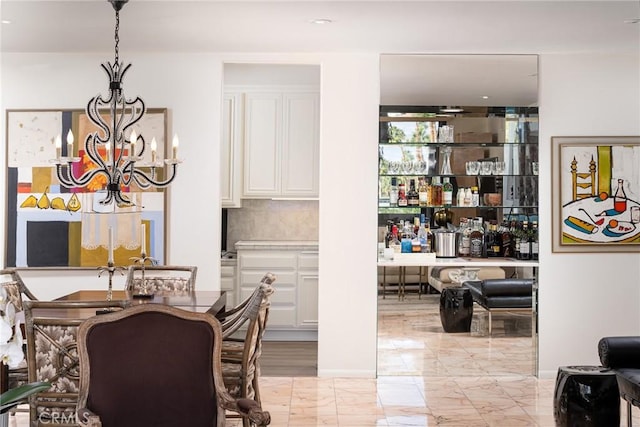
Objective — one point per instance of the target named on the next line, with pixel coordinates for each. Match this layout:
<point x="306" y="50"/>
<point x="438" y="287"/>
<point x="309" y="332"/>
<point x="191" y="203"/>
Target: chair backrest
<point x="175" y="279"/>
<point x="254" y="315"/>
<point x="51" y="329"/>
<point x="151" y="364"/>
<point x="11" y="281"/>
<point x="249" y="309"/>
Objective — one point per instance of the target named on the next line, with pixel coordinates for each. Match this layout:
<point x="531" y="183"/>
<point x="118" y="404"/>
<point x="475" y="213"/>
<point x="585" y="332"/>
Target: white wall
<point x="584" y="297"/>
<point x="190" y="87"/>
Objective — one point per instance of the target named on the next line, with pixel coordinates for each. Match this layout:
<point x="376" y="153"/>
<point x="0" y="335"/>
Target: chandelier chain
<point x="117" y="38"/>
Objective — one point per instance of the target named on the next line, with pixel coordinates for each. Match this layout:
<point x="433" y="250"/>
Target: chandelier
<point x="115" y="157"/>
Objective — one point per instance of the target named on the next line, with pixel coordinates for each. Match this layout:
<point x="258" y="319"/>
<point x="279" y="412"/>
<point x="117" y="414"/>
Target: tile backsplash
<point x="273" y="220"/>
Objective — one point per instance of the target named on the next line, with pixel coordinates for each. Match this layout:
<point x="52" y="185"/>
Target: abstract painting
<point x="49" y="225"/>
<point x="596" y="201"/>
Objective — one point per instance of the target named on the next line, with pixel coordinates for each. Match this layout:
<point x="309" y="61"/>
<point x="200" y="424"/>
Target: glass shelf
<point x="460" y="175"/>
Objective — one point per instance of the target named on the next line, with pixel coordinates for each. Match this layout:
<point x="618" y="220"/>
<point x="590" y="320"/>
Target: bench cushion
<point x="505" y="293"/>
<point x="629" y="384"/>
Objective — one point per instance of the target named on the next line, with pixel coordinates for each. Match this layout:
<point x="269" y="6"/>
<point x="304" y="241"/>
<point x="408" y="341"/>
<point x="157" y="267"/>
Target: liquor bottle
<point x="402" y="196"/>
<point x="620" y="198"/>
<point x="493" y="243"/>
<point x="467" y="197"/>
<point x="460" y="197"/>
<point x="464" y="244"/>
<point x="515" y="238"/>
<point x="393" y="192"/>
<point x="394" y="241"/>
<point x="477" y="239"/>
<point x="412" y="195"/>
<point x="535" y="246"/>
<point x="525" y="245"/>
<point x="423" y="192"/>
<point x="505" y="238"/>
<point x="475" y="196"/>
<point x="424" y="238"/>
<point x="436" y="192"/>
<point x="406" y="237"/>
<point x="447" y="192"/>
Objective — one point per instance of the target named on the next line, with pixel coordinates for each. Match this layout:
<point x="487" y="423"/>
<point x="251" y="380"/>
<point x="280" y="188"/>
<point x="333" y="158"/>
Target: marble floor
<point x="426" y="378"/>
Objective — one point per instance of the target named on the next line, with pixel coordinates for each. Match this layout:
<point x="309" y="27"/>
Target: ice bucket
<point x="446" y="243"/>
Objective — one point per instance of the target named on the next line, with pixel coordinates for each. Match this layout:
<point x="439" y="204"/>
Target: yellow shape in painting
<point x="74" y="203"/>
<point x="29" y="202"/>
<point x="58" y="203"/>
<point x="43" y="202"/>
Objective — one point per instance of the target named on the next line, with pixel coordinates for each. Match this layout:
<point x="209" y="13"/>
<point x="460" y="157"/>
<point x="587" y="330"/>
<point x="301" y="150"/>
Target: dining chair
<point x="162" y="278"/>
<point x="170" y="375"/>
<point x="16" y="290"/>
<point x="241" y="354"/>
<point x="51" y="329"/>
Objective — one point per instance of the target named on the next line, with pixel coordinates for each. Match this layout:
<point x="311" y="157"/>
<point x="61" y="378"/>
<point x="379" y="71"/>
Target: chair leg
<point x="629" y="420"/>
<point x="489" y="322"/>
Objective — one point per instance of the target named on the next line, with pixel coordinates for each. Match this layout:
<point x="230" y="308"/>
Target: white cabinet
<point x="307" y="290"/>
<point x="293" y="314"/>
<point x="231" y="151"/>
<point x="228" y="281"/>
<point x="281" y="137"/>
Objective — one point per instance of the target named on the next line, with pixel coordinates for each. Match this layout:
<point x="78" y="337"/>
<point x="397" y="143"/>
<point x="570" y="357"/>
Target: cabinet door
<point x="308" y="300"/>
<point x="263" y="121"/>
<point x="231" y="151"/>
<point x="300" y="150"/>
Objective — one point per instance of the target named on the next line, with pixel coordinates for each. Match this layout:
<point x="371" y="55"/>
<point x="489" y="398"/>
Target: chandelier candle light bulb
<point x="70" y="143"/>
<point x="175" y="146"/>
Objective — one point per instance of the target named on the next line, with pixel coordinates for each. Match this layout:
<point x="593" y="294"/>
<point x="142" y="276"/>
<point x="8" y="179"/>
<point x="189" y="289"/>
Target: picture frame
<point x="595" y="193"/>
<point x="49" y="225"/>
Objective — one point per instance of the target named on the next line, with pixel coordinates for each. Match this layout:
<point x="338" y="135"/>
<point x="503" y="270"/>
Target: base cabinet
<point x="228" y="281"/>
<point x="293" y="314"/>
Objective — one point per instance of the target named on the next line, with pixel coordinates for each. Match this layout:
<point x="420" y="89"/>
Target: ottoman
<point x="586" y="396"/>
<point x="456" y="309"/>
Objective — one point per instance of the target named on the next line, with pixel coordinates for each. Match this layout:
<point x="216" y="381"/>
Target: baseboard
<point x="276" y="335"/>
<point x="545" y="375"/>
<point x="346" y="373"/>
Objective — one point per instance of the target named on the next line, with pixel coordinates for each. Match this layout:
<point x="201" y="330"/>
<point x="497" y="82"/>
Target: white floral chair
<point x="51" y="329"/>
<point x="162" y="279"/>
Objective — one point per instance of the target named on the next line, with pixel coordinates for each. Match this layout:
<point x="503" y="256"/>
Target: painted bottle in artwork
<point x="620" y="198"/>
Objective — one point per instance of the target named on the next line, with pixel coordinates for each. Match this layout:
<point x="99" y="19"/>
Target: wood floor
<point x="289" y="359"/>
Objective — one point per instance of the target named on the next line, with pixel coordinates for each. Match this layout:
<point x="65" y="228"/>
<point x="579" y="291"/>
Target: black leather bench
<point x="622" y="355"/>
<point x="501" y="294"/>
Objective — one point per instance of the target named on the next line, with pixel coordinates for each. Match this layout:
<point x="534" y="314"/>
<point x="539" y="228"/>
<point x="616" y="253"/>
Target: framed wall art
<point x="596" y="194"/>
<point x="49" y="225"/>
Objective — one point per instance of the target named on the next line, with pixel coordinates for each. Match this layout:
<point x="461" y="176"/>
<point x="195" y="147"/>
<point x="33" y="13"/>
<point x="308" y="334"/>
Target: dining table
<point x="212" y="302"/>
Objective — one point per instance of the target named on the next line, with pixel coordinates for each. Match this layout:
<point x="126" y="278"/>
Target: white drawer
<point x="227" y="283"/>
<point x="283" y="278"/>
<point x="227" y="271"/>
<point x="281" y="316"/>
<point x="308" y="260"/>
<point x="267" y="260"/>
<point x="279" y="296"/>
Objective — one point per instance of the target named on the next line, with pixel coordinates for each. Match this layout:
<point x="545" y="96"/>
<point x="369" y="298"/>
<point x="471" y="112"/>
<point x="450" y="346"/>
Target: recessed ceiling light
<point x="452" y="110"/>
<point x="321" y="21"/>
<point x="632" y="21"/>
<point x="485" y="97"/>
<point x="6" y="21"/>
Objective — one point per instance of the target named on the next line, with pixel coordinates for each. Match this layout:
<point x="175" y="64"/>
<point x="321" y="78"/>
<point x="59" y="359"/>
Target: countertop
<point x="277" y="244"/>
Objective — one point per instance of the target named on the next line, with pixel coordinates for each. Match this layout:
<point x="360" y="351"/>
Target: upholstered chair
<point x="162" y="279"/>
<point x="243" y="329"/>
<point x="155" y="365"/>
<point x="51" y="328"/>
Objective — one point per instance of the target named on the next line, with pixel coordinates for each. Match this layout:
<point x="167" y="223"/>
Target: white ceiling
<point x="387" y="27"/>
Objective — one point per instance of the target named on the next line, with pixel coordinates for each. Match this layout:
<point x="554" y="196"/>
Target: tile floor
<point x="426" y="378"/>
